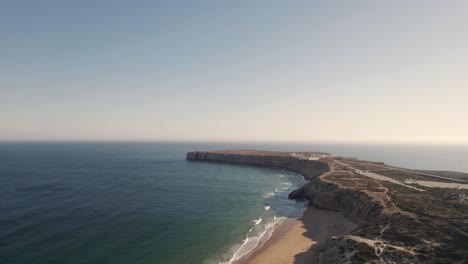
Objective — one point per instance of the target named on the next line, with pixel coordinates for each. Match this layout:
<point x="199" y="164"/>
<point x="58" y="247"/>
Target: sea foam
<point x="250" y="243"/>
<point x="257" y="221"/>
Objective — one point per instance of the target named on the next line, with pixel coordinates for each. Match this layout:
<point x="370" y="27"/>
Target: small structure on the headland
<point x="312" y="156"/>
<point x="299" y="156"/>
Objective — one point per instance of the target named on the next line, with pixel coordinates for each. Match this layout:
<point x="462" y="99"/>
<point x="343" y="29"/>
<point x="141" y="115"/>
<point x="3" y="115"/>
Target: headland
<point x="362" y="211"/>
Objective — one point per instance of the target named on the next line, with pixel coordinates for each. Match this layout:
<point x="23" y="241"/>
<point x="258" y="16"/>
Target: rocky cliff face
<point x="385" y="233"/>
<point x="358" y="206"/>
<point x="308" y="168"/>
<point x="354" y="204"/>
<point x="395" y="224"/>
<point x="381" y="225"/>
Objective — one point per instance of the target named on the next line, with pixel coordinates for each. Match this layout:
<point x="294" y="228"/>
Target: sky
<point x="345" y="71"/>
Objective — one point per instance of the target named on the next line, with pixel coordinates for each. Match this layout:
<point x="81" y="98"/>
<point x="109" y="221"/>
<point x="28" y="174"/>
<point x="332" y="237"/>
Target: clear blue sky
<point x="234" y="70"/>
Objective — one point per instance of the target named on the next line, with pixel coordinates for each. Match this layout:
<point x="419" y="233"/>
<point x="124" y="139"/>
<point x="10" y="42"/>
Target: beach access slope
<point x="395" y="223"/>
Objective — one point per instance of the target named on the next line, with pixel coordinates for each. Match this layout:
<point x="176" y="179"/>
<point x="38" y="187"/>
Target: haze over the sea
<point x="392" y="71"/>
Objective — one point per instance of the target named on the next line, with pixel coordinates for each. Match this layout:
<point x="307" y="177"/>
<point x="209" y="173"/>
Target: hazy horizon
<point x="276" y="71"/>
<point x="255" y="142"/>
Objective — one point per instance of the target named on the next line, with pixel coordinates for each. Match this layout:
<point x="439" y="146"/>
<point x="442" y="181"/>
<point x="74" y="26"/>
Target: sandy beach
<point x="291" y="241"/>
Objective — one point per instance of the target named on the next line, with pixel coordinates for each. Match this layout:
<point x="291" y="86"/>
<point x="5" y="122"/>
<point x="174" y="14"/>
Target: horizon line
<point x="369" y="142"/>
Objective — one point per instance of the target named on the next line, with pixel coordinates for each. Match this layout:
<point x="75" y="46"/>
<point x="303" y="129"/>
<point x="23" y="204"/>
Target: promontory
<point x="400" y="215"/>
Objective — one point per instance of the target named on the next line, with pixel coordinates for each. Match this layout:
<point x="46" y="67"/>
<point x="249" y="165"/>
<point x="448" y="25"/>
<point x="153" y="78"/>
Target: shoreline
<point x="388" y="214"/>
<point x="282" y="229"/>
<point x="292" y="240"/>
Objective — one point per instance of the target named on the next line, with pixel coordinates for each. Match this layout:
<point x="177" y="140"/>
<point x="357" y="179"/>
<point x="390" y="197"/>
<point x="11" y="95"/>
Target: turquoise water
<point x="144" y="203"/>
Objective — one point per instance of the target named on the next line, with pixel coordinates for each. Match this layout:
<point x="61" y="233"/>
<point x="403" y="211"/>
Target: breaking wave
<point x="257" y="221"/>
<point x="250" y="243"/>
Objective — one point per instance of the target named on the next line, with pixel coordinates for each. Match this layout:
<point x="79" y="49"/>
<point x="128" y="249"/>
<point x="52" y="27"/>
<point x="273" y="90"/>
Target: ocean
<point x="144" y="203"/>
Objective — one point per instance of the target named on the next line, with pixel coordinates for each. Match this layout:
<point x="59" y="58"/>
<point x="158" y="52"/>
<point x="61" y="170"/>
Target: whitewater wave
<point x="257" y="221"/>
<point x="250" y="243"/>
<point x="276" y="210"/>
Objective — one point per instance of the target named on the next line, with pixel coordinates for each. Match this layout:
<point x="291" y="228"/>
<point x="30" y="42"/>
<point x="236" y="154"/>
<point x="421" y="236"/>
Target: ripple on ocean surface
<point x="128" y="203"/>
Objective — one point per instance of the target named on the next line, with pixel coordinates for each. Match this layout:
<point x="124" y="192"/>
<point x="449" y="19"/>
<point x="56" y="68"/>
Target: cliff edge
<point x="282" y="160"/>
<point x="396" y="221"/>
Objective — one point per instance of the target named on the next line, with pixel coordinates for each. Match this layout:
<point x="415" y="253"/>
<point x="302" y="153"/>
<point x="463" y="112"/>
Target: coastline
<point x="388" y="214"/>
<point x="280" y="230"/>
<point x="292" y="240"/>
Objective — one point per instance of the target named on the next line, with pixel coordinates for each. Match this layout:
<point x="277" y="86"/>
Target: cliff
<point x="370" y="215"/>
<point x="395" y="223"/>
<point x="308" y="168"/>
<point x="358" y="206"/>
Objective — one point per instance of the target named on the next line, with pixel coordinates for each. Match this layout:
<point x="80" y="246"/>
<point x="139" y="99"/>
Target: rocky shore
<point x="395" y="224"/>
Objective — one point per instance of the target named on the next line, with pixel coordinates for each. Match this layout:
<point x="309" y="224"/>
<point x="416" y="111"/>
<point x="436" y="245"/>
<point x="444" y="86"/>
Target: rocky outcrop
<point x="310" y="169"/>
<point x="394" y="224"/>
<point x="356" y="205"/>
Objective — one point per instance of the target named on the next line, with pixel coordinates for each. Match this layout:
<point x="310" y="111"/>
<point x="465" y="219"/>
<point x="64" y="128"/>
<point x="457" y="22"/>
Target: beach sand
<point x="296" y="236"/>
